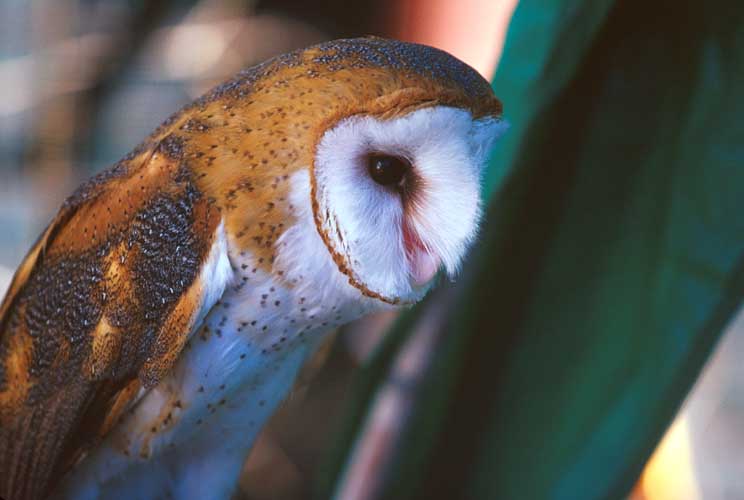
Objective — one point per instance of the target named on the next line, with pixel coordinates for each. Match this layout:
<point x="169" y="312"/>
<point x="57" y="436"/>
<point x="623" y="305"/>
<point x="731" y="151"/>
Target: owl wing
<point x="100" y="309"/>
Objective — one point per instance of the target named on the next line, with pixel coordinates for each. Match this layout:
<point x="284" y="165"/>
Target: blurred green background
<point x="609" y="265"/>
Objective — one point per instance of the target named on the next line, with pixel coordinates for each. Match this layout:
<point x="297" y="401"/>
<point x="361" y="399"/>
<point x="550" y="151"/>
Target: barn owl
<point x="164" y="313"/>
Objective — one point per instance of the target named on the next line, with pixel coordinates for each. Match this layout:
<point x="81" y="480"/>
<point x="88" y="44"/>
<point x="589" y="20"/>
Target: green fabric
<point x="611" y="260"/>
<point x="547" y="41"/>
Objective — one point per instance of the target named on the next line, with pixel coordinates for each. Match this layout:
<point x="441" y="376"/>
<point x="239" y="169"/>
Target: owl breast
<point x="234" y="371"/>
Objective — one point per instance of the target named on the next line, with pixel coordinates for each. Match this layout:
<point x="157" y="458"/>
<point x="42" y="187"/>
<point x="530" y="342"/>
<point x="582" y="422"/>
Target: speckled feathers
<point x="105" y="301"/>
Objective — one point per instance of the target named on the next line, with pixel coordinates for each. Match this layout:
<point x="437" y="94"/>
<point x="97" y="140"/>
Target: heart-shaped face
<point x="397" y="199"/>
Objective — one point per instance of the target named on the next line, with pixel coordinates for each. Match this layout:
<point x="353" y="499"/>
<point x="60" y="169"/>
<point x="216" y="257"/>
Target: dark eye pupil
<point x="387" y="170"/>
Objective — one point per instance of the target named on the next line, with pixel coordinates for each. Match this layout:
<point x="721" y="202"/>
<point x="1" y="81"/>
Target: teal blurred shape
<point x="610" y="262"/>
<point x="547" y="41"/>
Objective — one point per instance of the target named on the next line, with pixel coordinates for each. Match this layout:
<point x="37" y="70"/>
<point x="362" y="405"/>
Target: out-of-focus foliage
<point x="610" y="262"/>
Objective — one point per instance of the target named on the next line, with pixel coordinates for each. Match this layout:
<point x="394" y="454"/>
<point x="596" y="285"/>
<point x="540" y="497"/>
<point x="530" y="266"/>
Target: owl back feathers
<point x="102" y="305"/>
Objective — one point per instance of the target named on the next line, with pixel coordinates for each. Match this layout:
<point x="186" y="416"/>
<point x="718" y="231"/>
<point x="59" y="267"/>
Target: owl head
<point x="355" y="164"/>
<point x="397" y="198"/>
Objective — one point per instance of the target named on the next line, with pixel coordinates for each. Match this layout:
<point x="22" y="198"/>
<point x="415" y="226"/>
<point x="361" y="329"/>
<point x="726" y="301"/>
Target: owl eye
<point x="387" y="170"/>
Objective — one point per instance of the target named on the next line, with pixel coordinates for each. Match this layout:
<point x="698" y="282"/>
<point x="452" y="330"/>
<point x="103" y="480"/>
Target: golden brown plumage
<point x="105" y="300"/>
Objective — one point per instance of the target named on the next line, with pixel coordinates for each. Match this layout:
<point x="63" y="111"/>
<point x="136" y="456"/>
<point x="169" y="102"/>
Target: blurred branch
<point x="389" y="417"/>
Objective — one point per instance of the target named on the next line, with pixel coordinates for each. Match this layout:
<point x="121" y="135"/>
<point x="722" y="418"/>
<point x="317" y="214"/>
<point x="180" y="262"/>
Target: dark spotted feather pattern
<point x="97" y="308"/>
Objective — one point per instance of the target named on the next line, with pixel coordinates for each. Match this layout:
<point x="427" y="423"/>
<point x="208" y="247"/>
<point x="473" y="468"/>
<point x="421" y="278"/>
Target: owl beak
<point x="423" y="264"/>
<point x="424" y="267"/>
